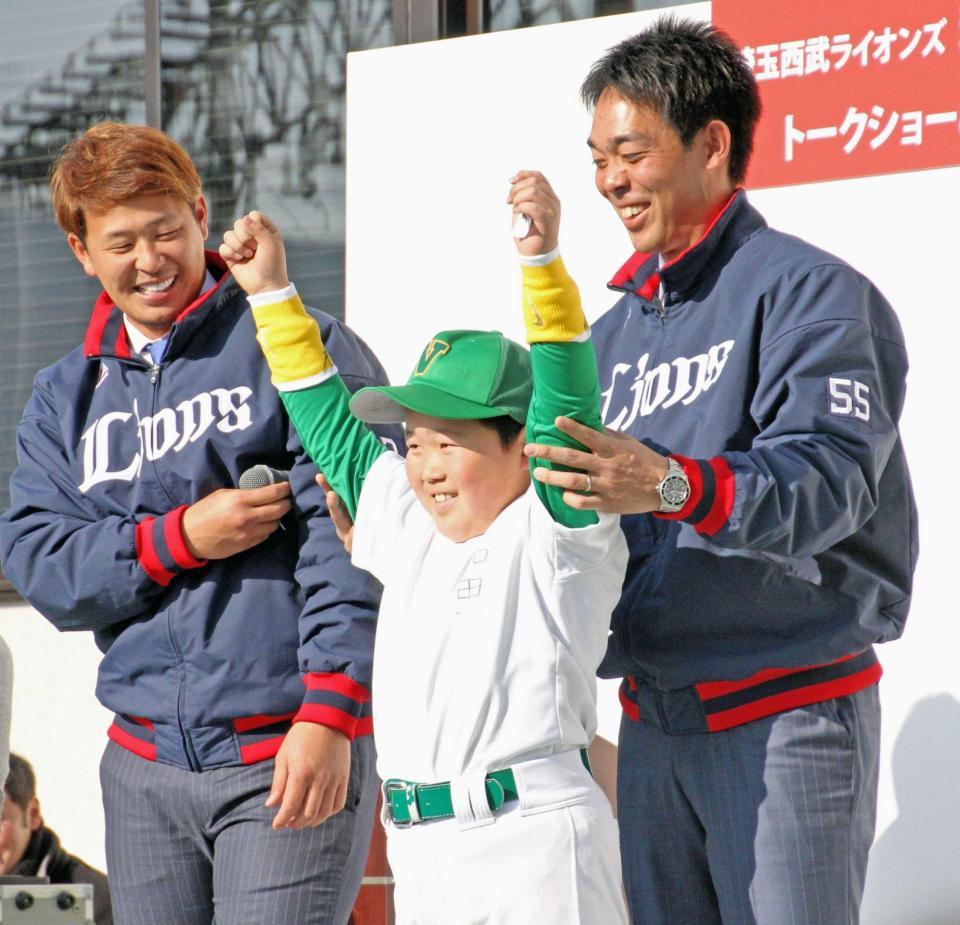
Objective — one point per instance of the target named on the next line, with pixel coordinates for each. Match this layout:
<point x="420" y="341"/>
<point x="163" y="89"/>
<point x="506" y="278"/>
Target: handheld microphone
<point x="260" y="475"/>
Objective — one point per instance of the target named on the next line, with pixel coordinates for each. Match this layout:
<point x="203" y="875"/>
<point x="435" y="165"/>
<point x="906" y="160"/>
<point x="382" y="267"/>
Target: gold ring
<point x="589" y="487"/>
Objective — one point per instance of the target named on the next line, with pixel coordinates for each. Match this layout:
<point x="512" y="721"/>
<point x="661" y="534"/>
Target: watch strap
<point x="712" y="492"/>
<point x="675" y="476"/>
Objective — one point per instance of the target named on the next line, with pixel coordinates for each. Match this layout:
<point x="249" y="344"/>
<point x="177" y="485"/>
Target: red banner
<point x="849" y="88"/>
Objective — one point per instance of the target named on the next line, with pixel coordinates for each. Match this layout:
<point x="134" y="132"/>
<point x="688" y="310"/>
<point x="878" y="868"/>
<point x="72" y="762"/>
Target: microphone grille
<point x="260" y="475"/>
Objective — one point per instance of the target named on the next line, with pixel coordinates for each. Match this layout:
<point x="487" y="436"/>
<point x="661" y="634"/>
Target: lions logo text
<point x="170" y="429"/>
<point x="682" y="380"/>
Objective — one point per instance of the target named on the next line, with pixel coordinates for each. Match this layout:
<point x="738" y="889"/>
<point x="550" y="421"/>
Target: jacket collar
<point x="42" y="849"/>
<point x="642" y="275"/>
<point x="107" y="336"/>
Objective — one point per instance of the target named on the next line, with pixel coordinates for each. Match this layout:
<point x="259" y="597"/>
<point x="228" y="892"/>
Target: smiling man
<point x="756" y="383"/>
<point x="148" y="254"/>
<point x="237" y="637"/>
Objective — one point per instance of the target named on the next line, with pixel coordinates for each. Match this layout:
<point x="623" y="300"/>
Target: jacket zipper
<point x="658" y="344"/>
<point x="181" y="664"/>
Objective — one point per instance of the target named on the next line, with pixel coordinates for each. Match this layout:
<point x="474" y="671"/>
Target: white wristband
<point x="541" y="260"/>
<point x="275" y="295"/>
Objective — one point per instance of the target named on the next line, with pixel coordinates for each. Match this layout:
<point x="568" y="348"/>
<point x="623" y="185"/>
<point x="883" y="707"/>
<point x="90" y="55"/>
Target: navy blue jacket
<point x="205" y="663"/>
<point x="776" y="373"/>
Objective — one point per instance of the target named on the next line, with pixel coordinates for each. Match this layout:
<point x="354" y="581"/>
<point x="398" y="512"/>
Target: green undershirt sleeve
<point x="565" y="380"/>
<point x="343" y="447"/>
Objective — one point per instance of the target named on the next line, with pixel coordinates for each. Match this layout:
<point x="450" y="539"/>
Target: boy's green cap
<point x="462" y="375"/>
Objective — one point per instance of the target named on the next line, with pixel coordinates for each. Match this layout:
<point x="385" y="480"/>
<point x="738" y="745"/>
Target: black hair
<point x="21" y="783"/>
<point x="689" y="74"/>
<point x="507" y="428"/>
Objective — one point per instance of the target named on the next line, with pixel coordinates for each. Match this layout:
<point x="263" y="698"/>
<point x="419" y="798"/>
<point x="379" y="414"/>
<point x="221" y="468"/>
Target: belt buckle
<point x="409" y="791"/>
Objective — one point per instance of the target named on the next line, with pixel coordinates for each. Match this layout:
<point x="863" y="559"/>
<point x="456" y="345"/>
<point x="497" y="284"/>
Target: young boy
<point x="497" y="596"/>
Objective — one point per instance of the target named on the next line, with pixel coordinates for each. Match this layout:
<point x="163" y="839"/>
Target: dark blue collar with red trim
<point x="107" y="335"/>
<point x="642" y="274"/>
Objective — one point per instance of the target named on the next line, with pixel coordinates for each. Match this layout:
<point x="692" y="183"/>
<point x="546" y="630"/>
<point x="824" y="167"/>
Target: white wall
<point x="434" y="133"/>
<point x="58" y="726"/>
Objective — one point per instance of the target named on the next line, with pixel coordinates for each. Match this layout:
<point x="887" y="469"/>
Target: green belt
<point x="411" y="802"/>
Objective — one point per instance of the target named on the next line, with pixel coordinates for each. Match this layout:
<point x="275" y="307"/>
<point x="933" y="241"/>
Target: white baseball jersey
<point x="486" y="650"/>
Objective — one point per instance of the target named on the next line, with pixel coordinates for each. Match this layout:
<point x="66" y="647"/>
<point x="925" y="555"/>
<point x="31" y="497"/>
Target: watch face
<point x="675" y="490"/>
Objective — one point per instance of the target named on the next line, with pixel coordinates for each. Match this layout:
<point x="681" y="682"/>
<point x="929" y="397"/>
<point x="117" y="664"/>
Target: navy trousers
<point x="188" y="848"/>
<point x="769" y="823"/>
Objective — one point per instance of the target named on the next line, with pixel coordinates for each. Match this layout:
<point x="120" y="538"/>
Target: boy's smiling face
<point x="462" y="473"/>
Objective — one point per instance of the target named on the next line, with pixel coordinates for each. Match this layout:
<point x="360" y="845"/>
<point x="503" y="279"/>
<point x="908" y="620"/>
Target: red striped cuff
<point x="337" y="701"/>
<point x="161" y="549"/>
<point x="629" y="707"/>
<point x="712" y="486"/>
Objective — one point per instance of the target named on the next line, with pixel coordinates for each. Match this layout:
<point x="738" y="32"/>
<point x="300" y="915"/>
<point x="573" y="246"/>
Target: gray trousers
<point x="187" y="848"/>
<point x="769" y="823"/>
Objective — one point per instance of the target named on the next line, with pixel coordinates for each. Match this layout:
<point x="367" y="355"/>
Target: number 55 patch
<point x="849" y="398"/>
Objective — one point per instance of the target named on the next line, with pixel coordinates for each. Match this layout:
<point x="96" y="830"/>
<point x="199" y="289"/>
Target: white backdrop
<point x="58" y="725"/>
<point x="434" y="133"/>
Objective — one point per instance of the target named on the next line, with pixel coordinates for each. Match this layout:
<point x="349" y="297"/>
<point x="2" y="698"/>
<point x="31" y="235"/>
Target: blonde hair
<point x="113" y="162"/>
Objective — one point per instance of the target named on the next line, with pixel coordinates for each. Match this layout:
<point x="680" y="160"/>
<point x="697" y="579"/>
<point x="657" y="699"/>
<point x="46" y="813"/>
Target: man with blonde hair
<point x="237" y="637"/>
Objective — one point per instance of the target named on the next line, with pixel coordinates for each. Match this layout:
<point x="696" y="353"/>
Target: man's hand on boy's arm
<point x="617" y="474"/>
<point x="620" y="472"/>
<point x="254" y="252"/>
<point x="532" y="195"/>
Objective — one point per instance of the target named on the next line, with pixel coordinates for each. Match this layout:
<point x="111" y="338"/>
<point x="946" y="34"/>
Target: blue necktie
<point x="156" y="350"/>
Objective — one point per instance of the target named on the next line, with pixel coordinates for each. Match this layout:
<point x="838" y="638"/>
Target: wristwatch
<point x="673" y="489"/>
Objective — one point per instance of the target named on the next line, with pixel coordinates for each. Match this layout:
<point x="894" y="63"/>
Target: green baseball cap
<point x="461" y="375"/>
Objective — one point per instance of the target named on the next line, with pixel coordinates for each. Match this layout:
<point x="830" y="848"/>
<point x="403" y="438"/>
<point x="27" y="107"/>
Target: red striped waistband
<point x="257" y="738"/>
<point x="713" y="706"/>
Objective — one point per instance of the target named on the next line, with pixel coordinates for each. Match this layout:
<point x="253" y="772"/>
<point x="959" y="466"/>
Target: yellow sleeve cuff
<point x="551" y="304"/>
<point x="291" y="342"/>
